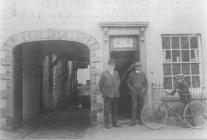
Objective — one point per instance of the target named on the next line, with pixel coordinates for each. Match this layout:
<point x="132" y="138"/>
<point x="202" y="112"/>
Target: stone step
<point x="3" y="122"/>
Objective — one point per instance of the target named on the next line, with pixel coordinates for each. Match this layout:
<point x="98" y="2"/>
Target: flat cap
<point x="138" y="64"/>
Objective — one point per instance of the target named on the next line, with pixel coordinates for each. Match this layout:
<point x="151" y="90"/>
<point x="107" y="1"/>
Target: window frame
<point x="197" y="60"/>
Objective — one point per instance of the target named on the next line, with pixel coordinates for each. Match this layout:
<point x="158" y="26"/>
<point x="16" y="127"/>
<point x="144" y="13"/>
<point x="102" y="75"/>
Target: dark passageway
<point x="45" y="76"/>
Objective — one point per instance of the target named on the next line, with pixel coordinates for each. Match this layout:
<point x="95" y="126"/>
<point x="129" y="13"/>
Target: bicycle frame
<point x="170" y="109"/>
<point x="156" y="114"/>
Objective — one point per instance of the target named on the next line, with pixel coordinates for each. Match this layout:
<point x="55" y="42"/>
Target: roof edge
<point x="123" y="24"/>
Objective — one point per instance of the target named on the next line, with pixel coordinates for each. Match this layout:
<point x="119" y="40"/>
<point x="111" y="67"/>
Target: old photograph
<point x="103" y="69"/>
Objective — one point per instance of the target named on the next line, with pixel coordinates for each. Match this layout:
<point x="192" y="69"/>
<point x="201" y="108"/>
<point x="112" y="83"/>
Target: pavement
<point x="69" y="124"/>
<point x="141" y="132"/>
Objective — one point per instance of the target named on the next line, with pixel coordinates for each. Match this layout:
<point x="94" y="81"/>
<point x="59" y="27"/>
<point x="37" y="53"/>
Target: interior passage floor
<point x="59" y="125"/>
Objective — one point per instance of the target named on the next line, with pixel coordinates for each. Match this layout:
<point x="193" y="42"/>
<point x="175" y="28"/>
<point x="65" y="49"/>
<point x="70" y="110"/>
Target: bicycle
<point x="156" y="114"/>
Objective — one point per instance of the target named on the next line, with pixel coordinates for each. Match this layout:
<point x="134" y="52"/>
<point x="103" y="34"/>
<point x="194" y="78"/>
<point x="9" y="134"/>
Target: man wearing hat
<point x="109" y="86"/>
<point x="181" y="87"/>
<point x="137" y="84"/>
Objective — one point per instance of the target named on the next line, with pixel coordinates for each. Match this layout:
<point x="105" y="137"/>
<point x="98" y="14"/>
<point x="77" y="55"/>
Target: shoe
<point x="141" y="123"/>
<point x="107" y="126"/>
<point x="117" y="125"/>
<point x="184" y="126"/>
<point x="132" y="123"/>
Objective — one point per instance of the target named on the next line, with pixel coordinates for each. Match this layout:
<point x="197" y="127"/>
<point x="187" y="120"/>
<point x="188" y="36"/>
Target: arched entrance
<point x="14" y="95"/>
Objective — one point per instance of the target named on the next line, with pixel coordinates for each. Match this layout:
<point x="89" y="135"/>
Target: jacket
<point x="182" y="89"/>
<point x="109" y="84"/>
<point x="137" y="83"/>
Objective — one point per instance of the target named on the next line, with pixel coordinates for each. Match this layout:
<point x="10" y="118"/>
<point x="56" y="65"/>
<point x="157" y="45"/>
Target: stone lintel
<point x="123" y="24"/>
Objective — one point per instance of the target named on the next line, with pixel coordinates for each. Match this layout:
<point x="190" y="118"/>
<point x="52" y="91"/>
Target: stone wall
<point x="47" y="95"/>
<point x="57" y="85"/>
<point x="30" y="83"/>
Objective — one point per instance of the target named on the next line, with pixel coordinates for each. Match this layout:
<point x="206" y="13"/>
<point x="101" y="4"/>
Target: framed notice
<point x="123" y="42"/>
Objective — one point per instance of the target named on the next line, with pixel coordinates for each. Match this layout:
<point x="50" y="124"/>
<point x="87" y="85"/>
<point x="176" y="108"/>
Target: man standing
<point x="137" y="83"/>
<point x="109" y="86"/>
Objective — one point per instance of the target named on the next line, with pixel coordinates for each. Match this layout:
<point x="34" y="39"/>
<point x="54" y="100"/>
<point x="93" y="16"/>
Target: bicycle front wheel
<point x="154" y="115"/>
<point x="195" y="115"/>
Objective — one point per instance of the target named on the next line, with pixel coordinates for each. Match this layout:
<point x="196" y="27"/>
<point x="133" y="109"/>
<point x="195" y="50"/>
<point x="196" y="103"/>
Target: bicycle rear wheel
<point x="154" y="115"/>
<point x="195" y="115"/>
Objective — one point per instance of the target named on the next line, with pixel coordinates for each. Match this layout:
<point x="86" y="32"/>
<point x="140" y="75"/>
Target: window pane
<point x="195" y="68"/>
<point x="175" y="43"/>
<point x="167" y="69"/>
<point x="167" y="82"/>
<point x="167" y="55"/>
<point x="193" y="42"/>
<point x="187" y="79"/>
<point x="185" y="56"/>
<point x="174" y="81"/>
<point x="166" y="42"/>
<point x="176" y="56"/>
<point x="194" y="55"/>
<point x="186" y="69"/>
<point x="176" y="69"/>
<point x="195" y="81"/>
<point x="184" y="43"/>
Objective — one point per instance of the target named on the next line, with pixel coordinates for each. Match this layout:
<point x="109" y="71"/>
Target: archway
<point x="14" y="98"/>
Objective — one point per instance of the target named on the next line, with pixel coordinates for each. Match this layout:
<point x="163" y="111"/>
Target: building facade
<point x="168" y="37"/>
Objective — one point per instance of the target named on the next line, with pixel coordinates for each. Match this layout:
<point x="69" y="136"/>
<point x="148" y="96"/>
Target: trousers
<point x="110" y="110"/>
<point x="137" y="105"/>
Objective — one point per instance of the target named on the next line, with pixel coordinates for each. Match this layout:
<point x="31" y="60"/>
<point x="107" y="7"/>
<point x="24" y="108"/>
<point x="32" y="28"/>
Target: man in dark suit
<point x="109" y="86"/>
<point x="181" y="87"/>
<point x="137" y="83"/>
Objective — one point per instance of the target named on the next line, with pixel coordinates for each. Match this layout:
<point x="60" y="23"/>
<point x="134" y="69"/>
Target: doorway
<point x="124" y="59"/>
<point x="44" y="72"/>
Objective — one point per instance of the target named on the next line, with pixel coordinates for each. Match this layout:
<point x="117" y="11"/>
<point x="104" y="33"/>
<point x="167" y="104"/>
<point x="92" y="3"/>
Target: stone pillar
<point x="143" y="49"/>
<point x="5" y="88"/>
<point x="18" y="97"/>
<point x="143" y="59"/>
<point x="96" y="69"/>
<point x="47" y="95"/>
<point x="105" y="47"/>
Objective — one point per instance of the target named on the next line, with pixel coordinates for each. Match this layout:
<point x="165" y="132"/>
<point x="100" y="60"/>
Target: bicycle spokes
<point x="154" y="115"/>
<point x="195" y="115"/>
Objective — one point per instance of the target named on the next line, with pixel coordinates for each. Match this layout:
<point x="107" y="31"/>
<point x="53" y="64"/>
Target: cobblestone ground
<point x="75" y="125"/>
<point x="67" y="124"/>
